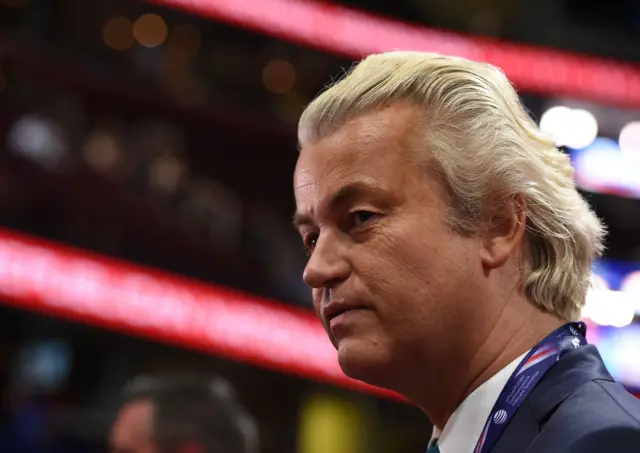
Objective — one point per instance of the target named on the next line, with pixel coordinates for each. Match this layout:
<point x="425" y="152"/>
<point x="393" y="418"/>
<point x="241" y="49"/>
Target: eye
<point x="359" y="218"/>
<point x="310" y="241"/>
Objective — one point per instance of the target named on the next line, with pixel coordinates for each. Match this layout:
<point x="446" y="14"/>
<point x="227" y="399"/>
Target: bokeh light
<point x="102" y="152"/>
<point x="279" y="76"/>
<point x="150" y="30"/>
<point x="630" y="140"/>
<point x="574" y="128"/>
<point x="117" y="33"/>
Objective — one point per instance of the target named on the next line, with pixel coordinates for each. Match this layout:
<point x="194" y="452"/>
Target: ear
<point x="504" y="231"/>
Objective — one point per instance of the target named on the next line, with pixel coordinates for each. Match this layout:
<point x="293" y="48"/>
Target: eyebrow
<point x="342" y="196"/>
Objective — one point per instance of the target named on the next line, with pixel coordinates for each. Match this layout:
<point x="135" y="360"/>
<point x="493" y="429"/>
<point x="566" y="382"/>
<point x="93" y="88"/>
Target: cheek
<point x="391" y="270"/>
<point x="317" y="299"/>
<point x="416" y="263"/>
<point x="406" y="254"/>
<point x="317" y="305"/>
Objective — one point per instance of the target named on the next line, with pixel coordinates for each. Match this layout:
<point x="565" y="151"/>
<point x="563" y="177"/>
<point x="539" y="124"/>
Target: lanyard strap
<point x="528" y="373"/>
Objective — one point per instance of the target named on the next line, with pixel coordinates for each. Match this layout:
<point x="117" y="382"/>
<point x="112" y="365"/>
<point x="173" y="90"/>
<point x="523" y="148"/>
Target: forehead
<point x="133" y="425"/>
<point x="375" y="148"/>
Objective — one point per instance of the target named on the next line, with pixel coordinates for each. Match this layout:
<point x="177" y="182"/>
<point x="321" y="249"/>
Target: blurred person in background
<point x="450" y="256"/>
<point x="25" y="428"/>
<point x="181" y="414"/>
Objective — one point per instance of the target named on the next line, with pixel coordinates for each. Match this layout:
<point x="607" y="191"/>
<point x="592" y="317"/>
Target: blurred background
<point x="146" y="158"/>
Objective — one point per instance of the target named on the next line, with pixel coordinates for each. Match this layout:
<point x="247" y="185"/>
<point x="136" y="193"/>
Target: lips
<point x="334" y="309"/>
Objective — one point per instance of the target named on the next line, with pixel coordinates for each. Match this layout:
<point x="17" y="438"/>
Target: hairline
<point x="416" y="142"/>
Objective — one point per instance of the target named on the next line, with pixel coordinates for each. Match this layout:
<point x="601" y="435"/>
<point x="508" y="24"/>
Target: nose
<point x="327" y="265"/>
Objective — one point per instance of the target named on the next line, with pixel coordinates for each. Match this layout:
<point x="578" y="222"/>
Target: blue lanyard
<point x="528" y="373"/>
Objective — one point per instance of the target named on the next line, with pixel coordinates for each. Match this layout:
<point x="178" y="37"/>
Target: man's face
<point x="131" y="432"/>
<point x="374" y="221"/>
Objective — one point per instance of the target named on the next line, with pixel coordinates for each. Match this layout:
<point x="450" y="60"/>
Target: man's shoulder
<point x="579" y="390"/>
<point x="578" y="403"/>
<point x="601" y="397"/>
<point x="599" y="403"/>
<point x="614" y="394"/>
<point x="619" y="439"/>
<point x="599" y="413"/>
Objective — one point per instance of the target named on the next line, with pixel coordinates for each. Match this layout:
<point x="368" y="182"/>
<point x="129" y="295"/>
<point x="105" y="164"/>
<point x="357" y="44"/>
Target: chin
<point x="364" y="361"/>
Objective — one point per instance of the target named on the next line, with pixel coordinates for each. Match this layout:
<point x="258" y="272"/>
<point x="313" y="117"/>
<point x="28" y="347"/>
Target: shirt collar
<point x="463" y="429"/>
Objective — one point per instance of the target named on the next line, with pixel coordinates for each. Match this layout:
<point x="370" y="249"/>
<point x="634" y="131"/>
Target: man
<point x="179" y="414"/>
<point x="449" y="252"/>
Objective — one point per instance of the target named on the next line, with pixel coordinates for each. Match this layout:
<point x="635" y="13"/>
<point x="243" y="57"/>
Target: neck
<point x="514" y="333"/>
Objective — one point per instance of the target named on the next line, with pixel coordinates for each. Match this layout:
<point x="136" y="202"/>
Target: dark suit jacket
<point x="576" y="407"/>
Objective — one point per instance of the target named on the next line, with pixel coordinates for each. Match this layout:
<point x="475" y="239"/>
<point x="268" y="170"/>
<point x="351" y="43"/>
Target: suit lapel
<point x="519" y="433"/>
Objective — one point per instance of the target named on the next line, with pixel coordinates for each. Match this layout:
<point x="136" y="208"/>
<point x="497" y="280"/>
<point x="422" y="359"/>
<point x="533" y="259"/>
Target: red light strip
<point x="353" y="33"/>
<point x="61" y="281"/>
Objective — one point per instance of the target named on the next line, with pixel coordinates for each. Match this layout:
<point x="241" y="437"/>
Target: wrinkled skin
<point x="373" y="219"/>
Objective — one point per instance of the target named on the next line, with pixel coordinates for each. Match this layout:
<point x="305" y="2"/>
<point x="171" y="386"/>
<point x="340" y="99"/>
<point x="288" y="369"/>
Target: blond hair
<point x="485" y="145"/>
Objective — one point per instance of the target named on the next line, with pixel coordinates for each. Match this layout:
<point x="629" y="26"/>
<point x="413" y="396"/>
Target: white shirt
<point x="463" y="429"/>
